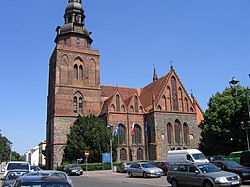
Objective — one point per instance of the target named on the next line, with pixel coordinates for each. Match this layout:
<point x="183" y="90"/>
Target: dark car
<point x="56" y="173"/>
<point x="216" y="157"/>
<point x="11" y="176"/>
<point x="232" y="166"/>
<point x="73" y="169"/>
<point x="123" y="167"/>
<point x="39" y="181"/>
<point x="164" y="165"/>
<point x="202" y="175"/>
<point x="245" y="158"/>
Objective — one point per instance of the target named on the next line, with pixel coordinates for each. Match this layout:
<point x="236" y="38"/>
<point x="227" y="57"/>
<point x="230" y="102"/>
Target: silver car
<point x="201" y="174"/>
<point x="144" y="169"/>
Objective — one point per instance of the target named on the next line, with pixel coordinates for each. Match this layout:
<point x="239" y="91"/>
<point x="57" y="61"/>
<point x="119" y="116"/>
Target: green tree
<point x="88" y="133"/>
<point x="4" y="148"/>
<point x="221" y="128"/>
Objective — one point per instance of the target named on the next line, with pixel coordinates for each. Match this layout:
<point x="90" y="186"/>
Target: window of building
<point x="117" y="103"/>
<point x="180" y="99"/>
<point x="75" y="104"/>
<point x="123" y="154"/>
<point x="136" y="103"/>
<point x="174" y="94"/>
<point x="163" y="100"/>
<point x="75" y="72"/>
<point x="122" y="108"/>
<point x="185" y="104"/>
<point x="81" y="72"/>
<point x="168" y="99"/>
<point x="80" y="104"/>
<point x="137" y="138"/>
<point x="140" y="109"/>
<point x="169" y="133"/>
<point x="177" y="130"/>
<point x="186" y="133"/>
<point x="77" y="40"/>
<point x="139" y="154"/>
<point x="122" y="134"/>
<point x="131" y="108"/>
<point x="112" y="107"/>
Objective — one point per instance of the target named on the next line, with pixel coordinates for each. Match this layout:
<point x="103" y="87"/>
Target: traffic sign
<point x="86" y="153"/>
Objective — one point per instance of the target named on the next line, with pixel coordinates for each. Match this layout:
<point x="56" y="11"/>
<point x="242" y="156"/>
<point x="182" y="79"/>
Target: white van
<point x="16" y="165"/>
<point x="187" y="155"/>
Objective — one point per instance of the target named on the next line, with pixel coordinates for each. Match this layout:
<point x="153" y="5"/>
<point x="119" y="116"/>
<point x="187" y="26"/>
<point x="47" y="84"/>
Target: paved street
<point x="113" y="179"/>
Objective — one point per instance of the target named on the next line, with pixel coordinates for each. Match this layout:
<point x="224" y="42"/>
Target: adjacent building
<point x="152" y="119"/>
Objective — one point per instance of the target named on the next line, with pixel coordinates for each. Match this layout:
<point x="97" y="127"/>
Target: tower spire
<point x="74" y="20"/>
<point x="155" y="77"/>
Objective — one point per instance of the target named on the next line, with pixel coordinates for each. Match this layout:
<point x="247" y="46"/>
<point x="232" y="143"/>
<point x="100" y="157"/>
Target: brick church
<point x="163" y="106"/>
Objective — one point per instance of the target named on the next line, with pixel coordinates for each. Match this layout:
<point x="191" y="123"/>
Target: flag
<point x="133" y="130"/>
<point x="116" y="132"/>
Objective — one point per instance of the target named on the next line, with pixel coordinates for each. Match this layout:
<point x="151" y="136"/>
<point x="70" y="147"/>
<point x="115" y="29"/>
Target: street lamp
<point x="234" y="83"/>
<point x="110" y="141"/>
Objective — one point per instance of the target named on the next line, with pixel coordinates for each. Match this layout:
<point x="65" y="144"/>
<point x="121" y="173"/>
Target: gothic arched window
<point x="174" y="94"/>
<point x="180" y="99"/>
<point x="169" y="99"/>
<point x="117" y="103"/>
<point x="136" y="103"/>
<point x="185" y="104"/>
<point x="139" y="154"/>
<point x="137" y="138"/>
<point x="122" y="134"/>
<point x="169" y="133"/>
<point x="177" y="131"/>
<point x="186" y="133"/>
<point x="75" y="104"/>
<point x="163" y="100"/>
<point x="81" y="72"/>
<point x="123" y="154"/>
<point x="75" y="72"/>
<point x="80" y="104"/>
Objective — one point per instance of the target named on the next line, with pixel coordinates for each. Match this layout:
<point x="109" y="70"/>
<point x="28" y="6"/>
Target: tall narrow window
<point x="122" y="134"/>
<point x="163" y="100"/>
<point x="139" y="154"/>
<point x="75" y="72"/>
<point x="180" y="99"/>
<point x="136" y="104"/>
<point x="169" y="133"/>
<point x="81" y="72"/>
<point x="117" y="103"/>
<point x="174" y="94"/>
<point x="136" y="139"/>
<point x="177" y="130"/>
<point x="168" y="99"/>
<point x="185" y="104"/>
<point x="75" y="104"/>
<point x="186" y="133"/>
<point x="80" y="104"/>
<point x="123" y="154"/>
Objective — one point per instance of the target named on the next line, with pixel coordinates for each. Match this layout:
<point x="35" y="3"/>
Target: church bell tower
<point x="74" y="81"/>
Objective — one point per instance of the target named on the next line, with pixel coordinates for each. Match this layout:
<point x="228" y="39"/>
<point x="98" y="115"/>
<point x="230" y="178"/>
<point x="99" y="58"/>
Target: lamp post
<point x="110" y="141"/>
<point x="10" y="144"/>
<point x="234" y="83"/>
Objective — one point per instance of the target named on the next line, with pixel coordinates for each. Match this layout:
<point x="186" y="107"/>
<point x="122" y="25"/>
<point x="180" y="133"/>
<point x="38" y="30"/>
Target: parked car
<point x="245" y="158"/>
<point x="164" y="165"/>
<point x="73" y="169"/>
<point x="232" y="166"/>
<point x="19" y="165"/>
<point x="40" y="181"/>
<point x="235" y="156"/>
<point x="60" y="174"/>
<point x="144" y="169"/>
<point x="11" y="176"/>
<point x="216" y="157"/>
<point x="201" y="174"/>
<point x="123" y="167"/>
<point x="35" y="168"/>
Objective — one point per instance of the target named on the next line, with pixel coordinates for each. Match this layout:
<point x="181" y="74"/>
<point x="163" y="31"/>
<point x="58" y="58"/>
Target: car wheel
<point x="145" y="175"/>
<point x="130" y="174"/>
<point x="207" y="184"/>
<point x="174" y="183"/>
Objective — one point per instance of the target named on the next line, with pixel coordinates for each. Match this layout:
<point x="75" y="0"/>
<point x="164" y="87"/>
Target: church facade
<point x="158" y="117"/>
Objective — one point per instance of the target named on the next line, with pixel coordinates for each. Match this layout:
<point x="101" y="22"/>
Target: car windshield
<point x="198" y="156"/>
<point x="23" y="166"/>
<point x="208" y="168"/>
<point x="41" y="184"/>
<point x="232" y="164"/>
<point x="147" y="165"/>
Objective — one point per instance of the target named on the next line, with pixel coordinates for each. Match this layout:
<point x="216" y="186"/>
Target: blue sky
<point x="208" y="42"/>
